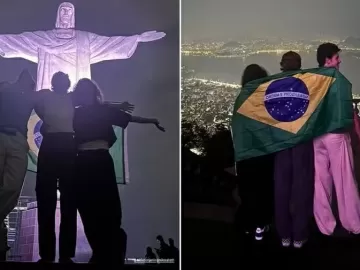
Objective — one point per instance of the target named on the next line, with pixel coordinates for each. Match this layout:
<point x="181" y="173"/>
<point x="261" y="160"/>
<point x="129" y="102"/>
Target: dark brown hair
<point x="253" y="72"/>
<point x="324" y="51"/>
<point x="60" y="82"/>
<point x="87" y="92"/>
<point x="290" y="61"/>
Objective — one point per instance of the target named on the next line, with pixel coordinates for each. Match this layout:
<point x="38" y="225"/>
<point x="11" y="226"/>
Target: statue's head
<point x="65" y="16"/>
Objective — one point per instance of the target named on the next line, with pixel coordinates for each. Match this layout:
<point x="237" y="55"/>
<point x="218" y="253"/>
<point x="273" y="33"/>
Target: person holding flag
<point x="294" y="181"/>
<point x="285" y="110"/>
<point x="254" y="185"/>
<point x="334" y="162"/>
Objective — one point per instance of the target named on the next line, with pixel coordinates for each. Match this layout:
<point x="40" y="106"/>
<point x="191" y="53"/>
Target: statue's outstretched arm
<point x="24" y="45"/>
<point x="104" y="48"/>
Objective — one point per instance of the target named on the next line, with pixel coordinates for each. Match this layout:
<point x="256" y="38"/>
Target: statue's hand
<point x="151" y="36"/>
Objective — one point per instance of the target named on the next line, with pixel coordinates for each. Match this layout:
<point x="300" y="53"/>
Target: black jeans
<point x="99" y="206"/>
<point x="55" y="169"/>
<point x="294" y="186"/>
<point x="255" y="180"/>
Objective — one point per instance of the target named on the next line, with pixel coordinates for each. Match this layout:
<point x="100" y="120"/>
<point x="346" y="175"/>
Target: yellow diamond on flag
<point x="287" y="103"/>
<point x="34" y="135"/>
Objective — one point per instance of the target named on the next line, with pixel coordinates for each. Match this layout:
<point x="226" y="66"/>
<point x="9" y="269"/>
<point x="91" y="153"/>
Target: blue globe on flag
<point x="37" y="135"/>
<point x="34" y="135"/>
<point x="286" y="100"/>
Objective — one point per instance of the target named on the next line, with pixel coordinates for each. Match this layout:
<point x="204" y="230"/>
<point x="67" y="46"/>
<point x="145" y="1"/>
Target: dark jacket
<point x="16" y="104"/>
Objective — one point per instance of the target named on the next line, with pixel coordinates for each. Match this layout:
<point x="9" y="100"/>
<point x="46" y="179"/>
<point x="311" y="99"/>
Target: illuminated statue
<point x="68" y="50"/>
<point x="72" y="52"/>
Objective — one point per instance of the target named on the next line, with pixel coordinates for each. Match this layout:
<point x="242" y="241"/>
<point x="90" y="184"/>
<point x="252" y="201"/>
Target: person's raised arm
<point x="143" y="120"/>
<point x="124" y="106"/>
<point x="39" y="102"/>
<point x="122" y="119"/>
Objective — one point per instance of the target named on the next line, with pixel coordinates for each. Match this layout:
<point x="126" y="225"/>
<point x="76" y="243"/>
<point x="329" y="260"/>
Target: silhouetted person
<point x="255" y="185"/>
<point x="55" y="166"/>
<point x="164" y="251"/>
<point x="173" y="251"/>
<point x="17" y="100"/>
<point x="97" y="193"/>
<point x="150" y="255"/>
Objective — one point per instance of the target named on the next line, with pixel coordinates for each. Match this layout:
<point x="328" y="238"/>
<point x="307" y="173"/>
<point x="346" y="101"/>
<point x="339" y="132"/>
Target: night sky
<point x="276" y="18"/>
<point x="150" y="80"/>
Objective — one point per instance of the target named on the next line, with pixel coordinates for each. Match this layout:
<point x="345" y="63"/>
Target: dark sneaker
<point x="45" y="261"/>
<point x="2" y="256"/>
<point x="65" y="260"/>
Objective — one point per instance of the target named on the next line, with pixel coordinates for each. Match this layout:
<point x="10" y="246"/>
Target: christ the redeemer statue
<point x="68" y="50"/>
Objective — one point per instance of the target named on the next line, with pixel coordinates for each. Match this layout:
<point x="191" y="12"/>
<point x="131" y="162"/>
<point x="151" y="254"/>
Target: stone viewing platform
<point x="28" y="248"/>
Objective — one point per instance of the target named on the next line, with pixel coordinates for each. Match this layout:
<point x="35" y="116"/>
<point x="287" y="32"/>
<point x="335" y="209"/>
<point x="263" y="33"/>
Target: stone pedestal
<point x="28" y="236"/>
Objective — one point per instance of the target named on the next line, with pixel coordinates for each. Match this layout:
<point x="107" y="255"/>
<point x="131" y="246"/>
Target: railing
<point x="14" y="226"/>
<point x="356" y="102"/>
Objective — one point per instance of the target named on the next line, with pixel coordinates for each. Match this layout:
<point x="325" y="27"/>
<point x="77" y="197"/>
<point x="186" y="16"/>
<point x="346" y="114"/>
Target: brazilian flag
<point x="283" y="110"/>
<point x="118" y="150"/>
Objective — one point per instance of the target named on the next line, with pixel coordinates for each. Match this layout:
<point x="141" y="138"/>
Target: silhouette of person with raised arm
<point x="54" y="169"/>
<point x="98" y="198"/>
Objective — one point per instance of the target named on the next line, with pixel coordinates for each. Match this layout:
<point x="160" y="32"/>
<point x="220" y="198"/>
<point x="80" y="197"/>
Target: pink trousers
<point x="334" y="166"/>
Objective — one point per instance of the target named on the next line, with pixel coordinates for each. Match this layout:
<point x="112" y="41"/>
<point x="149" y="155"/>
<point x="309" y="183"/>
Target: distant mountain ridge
<point x="231" y="44"/>
<point x="354" y="41"/>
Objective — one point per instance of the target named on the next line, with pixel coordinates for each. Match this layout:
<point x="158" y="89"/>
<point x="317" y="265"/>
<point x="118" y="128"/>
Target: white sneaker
<point x="286" y="242"/>
<point x="299" y="244"/>
<point x="259" y="234"/>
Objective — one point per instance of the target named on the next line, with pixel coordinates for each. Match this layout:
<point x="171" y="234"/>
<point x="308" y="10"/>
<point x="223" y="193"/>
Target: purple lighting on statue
<point x="57" y="49"/>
